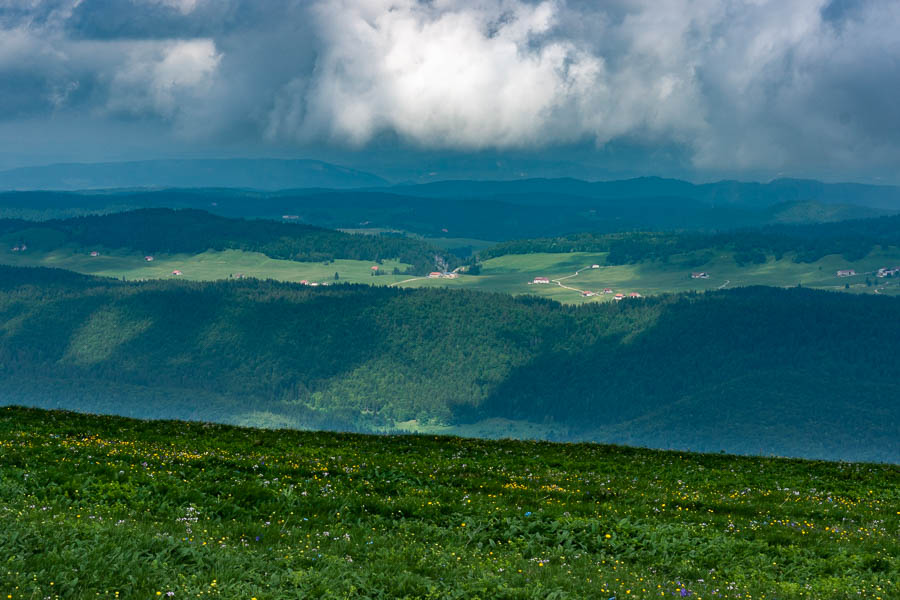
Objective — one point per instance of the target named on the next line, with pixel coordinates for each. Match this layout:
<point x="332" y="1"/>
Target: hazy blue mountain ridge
<point x="268" y="174"/>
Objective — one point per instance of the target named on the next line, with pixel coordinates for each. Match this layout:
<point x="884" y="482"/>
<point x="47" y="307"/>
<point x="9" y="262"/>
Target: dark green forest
<point x="190" y="231"/>
<point x="852" y="239"/>
<point x="752" y="370"/>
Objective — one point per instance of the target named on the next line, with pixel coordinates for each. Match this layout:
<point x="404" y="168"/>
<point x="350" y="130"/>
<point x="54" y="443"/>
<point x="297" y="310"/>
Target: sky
<point x="698" y="89"/>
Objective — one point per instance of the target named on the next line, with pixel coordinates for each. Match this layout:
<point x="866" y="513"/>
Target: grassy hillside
<point x="152" y="231"/>
<point x="100" y="507"/>
<point x="755" y="370"/>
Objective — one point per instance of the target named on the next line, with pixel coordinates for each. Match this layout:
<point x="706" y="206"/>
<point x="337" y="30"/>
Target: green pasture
<point x="512" y="274"/>
<point x="208" y="266"/>
<point x="509" y="274"/>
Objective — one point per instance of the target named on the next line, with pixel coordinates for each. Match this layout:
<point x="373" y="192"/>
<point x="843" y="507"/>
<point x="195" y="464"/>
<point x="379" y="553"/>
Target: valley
<point x="512" y="274"/>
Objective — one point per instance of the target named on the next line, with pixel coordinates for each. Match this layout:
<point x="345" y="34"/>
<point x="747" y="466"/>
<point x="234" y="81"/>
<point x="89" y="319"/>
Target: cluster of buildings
<point x="700" y="275"/>
<point x="589" y="293"/>
<point x="313" y="283"/>
<point x="19" y="248"/>
<point x="882" y="272"/>
<point x="444" y="275"/>
<point x="617" y="297"/>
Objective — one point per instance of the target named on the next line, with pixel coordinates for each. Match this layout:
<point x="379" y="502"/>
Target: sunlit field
<point x="208" y="266"/>
<point x="103" y="507"/>
<point x="510" y="274"/>
<point x="513" y="274"/>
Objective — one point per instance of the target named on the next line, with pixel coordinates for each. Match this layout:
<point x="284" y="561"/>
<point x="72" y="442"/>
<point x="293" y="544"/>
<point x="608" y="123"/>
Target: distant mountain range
<point x="262" y="174"/>
<point x="327" y="195"/>
<point x="734" y="193"/>
<point x="492" y="218"/>
<point x="291" y="175"/>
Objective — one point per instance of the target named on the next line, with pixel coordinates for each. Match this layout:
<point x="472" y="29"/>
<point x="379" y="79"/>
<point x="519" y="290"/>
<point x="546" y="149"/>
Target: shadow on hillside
<point x="790" y="372"/>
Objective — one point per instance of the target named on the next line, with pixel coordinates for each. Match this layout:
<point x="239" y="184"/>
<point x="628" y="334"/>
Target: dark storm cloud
<point x="136" y="19"/>
<point x="736" y="87"/>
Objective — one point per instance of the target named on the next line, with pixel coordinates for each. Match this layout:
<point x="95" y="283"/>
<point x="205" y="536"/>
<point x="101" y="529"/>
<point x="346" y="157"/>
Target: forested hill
<point x="808" y="242"/>
<point x="755" y="370"/>
<point x="190" y="231"/>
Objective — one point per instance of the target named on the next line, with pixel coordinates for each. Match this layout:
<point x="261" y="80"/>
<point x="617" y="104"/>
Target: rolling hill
<point x="738" y="370"/>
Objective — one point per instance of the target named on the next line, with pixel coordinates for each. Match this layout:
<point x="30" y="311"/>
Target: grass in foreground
<point x="108" y="507"/>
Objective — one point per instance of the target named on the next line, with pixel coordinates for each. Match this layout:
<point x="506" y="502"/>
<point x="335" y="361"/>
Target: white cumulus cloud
<point x="733" y="85"/>
<point x="160" y="77"/>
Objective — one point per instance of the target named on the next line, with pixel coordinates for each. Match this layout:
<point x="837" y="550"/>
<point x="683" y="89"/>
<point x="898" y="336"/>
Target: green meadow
<point x="207" y="266"/>
<point x="510" y="273"/>
<point x="106" y="507"/>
